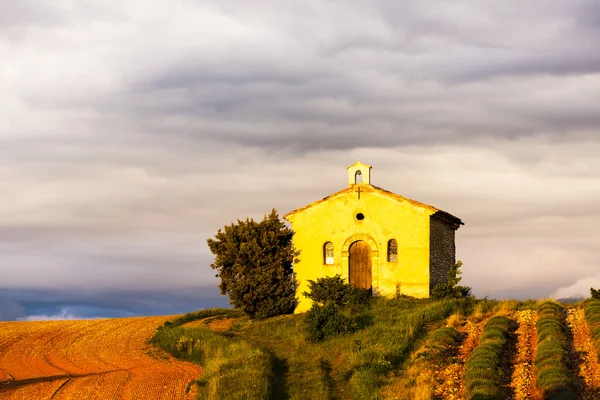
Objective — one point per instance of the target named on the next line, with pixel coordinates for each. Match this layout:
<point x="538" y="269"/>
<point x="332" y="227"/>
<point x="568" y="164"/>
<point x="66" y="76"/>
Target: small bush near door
<point x="337" y="310"/>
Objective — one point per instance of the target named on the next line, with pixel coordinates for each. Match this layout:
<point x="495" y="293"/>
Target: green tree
<point x="595" y="293"/>
<point x="255" y="263"/>
<point x="452" y="289"/>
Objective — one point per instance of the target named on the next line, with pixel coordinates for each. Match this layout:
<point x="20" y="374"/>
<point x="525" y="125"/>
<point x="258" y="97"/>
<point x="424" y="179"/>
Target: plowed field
<point x="96" y="359"/>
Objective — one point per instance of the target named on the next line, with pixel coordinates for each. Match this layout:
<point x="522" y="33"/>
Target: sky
<point x="131" y="131"/>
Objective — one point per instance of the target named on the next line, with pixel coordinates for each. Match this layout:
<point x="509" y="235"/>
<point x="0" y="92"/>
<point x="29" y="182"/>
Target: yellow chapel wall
<point x="334" y="220"/>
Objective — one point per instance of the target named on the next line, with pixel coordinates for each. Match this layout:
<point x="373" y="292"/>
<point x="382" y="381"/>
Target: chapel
<point x="373" y="238"/>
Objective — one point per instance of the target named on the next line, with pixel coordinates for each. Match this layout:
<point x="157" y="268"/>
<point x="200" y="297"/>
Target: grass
<point x="416" y="382"/>
<point x="482" y="374"/>
<point x="271" y="358"/>
<point x="235" y="371"/>
<point x="592" y="315"/>
<point x="398" y="327"/>
<point x="553" y="375"/>
<point x="194" y="316"/>
<point x="356" y="365"/>
<point x="232" y="368"/>
<point x="440" y="344"/>
<point x="274" y="355"/>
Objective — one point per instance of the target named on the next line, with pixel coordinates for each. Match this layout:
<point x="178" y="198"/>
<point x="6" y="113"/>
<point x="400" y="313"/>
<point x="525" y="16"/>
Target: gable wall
<point x="334" y="220"/>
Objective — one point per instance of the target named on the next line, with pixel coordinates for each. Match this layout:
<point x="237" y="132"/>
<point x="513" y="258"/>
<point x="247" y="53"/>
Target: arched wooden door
<point x="359" y="261"/>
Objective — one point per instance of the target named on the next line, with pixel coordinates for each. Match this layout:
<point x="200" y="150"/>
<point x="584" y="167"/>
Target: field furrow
<point x="450" y="385"/>
<point x="588" y="367"/>
<point x="85" y="351"/>
<point x="105" y="385"/>
<point x="523" y="377"/>
<point x="25" y="359"/>
<point x="34" y="389"/>
<point x="99" y="359"/>
<point x="164" y="385"/>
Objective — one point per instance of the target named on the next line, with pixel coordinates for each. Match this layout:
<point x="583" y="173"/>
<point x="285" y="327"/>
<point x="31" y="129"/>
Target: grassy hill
<point x="410" y="349"/>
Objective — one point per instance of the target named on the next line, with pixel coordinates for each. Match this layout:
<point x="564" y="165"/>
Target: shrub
<point x="359" y="299"/>
<point x="592" y="315"/>
<point x="334" y="290"/>
<point x="451" y="289"/>
<point x="482" y="371"/>
<point x="254" y="261"/>
<point x="328" y="290"/>
<point x="332" y="299"/>
<point x="440" y="345"/>
<point x="553" y="375"/>
<point x="323" y="322"/>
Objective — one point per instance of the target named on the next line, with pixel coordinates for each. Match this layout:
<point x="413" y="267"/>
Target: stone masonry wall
<point x="442" y="251"/>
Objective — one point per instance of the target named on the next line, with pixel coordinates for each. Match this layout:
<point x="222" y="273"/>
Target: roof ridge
<point x="377" y="188"/>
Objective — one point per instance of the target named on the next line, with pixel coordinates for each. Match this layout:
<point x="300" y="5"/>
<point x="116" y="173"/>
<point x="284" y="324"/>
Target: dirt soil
<point x="218" y="324"/>
<point x="449" y="382"/>
<point x="95" y="359"/>
<point x="585" y="356"/>
<point x="523" y="376"/>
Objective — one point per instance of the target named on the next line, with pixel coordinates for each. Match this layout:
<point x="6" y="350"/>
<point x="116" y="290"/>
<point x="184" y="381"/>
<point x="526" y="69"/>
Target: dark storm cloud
<point x="10" y="309"/>
<point x="133" y="131"/>
<point x="545" y="62"/>
<point x="419" y="76"/>
<point x="72" y="303"/>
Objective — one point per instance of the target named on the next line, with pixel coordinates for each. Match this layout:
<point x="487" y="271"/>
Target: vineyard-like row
<point x="545" y="352"/>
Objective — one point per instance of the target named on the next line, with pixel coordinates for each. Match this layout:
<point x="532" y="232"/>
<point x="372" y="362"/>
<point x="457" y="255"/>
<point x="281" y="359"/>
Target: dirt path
<point x="587" y="365"/>
<point x="523" y="376"/>
<point x="96" y="359"/>
<point x="449" y="382"/>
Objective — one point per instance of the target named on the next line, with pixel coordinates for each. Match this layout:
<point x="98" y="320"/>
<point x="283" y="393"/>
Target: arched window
<point x="358" y="177"/>
<point x="392" y="251"/>
<point x="328" y="253"/>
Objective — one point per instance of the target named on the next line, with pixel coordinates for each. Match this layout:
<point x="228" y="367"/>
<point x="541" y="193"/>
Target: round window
<point x="360" y="216"/>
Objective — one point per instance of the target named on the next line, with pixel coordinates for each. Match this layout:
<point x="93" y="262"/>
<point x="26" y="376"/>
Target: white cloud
<point x="64" y="314"/>
<point x="132" y="131"/>
<point x="581" y="288"/>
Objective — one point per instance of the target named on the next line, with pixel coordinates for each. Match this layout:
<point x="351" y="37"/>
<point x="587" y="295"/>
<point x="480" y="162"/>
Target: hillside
<point x="95" y="359"/>
<point x="411" y="349"/>
<point x="406" y="349"/>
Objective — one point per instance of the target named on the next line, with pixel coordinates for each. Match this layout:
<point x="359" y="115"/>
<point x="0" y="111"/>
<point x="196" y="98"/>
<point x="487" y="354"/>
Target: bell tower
<point x="359" y="173"/>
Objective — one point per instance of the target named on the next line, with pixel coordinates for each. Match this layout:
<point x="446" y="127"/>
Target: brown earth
<point x="449" y="382"/>
<point x="218" y="323"/>
<point x="95" y="359"/>
<point x="584" y="354"/>
<point x="523" y="376"/>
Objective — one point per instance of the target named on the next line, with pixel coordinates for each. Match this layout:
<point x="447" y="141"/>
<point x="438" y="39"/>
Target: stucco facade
<point x="422" y="235"/>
